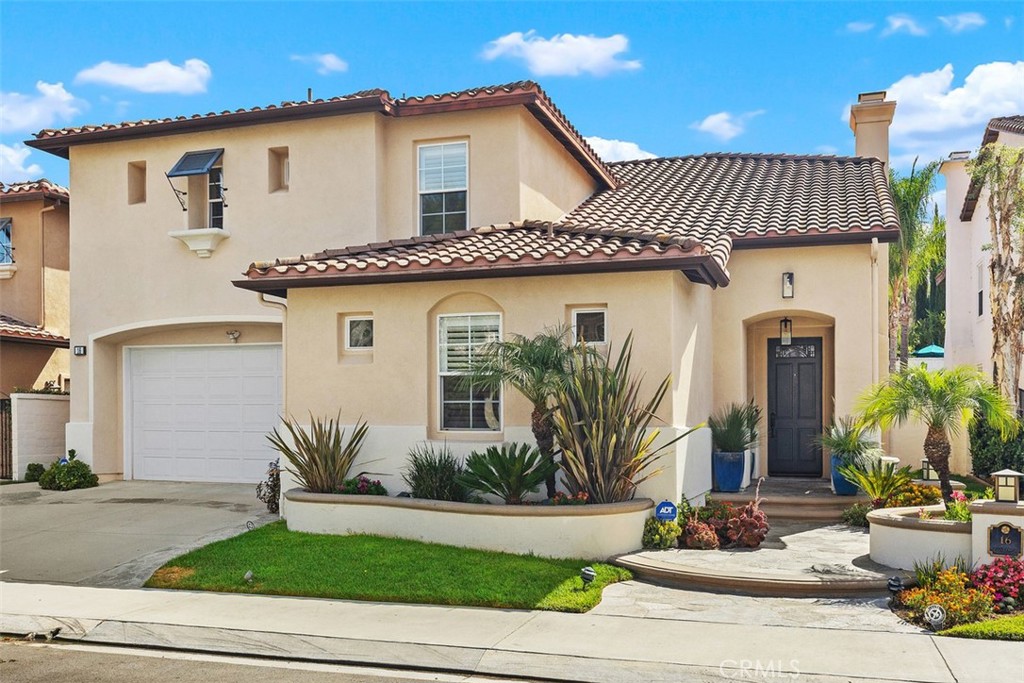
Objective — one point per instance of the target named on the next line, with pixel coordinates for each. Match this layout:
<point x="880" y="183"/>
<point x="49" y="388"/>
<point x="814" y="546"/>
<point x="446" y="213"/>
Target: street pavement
<point x="596" y="648"/>
<point x="116" y="534"/>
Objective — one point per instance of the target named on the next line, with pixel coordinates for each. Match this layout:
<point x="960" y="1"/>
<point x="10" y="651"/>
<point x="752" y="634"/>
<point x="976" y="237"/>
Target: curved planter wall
<point x="899" y="537"/>
<point x="590" y="532"/>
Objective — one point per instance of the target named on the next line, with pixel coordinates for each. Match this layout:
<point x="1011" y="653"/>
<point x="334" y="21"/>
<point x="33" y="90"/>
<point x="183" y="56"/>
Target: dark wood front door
<point x="794" y="407"/>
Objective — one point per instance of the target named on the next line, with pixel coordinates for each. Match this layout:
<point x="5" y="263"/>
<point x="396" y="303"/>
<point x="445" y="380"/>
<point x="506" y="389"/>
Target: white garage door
<point x="201" y="413"/>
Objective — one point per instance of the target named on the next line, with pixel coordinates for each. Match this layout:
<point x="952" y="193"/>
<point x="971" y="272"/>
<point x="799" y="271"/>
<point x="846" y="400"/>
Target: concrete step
<point x="806" y="507"/>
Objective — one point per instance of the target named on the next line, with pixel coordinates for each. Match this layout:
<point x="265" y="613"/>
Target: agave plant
<point x="323" y="456"/>
<point x="847" y="440"/>
<point x="602" y="427"/>
<point x="879" y="482"/>
<point x="509" y="471"/>
<point x="734" y="427"/>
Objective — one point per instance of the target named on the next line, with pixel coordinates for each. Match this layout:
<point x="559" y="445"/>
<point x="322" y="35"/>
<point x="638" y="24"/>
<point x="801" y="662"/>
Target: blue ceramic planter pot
<point x="839" y="483"/>
<point x="728" y="471"/>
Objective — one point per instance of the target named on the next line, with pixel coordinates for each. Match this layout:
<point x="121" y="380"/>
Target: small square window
<point x="589" y="326"/>
<point x="359" y="334"/>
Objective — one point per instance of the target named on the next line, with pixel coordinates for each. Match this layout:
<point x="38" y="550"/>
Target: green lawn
<point x="383" y="569"/>
<point x="1002" y="628"/>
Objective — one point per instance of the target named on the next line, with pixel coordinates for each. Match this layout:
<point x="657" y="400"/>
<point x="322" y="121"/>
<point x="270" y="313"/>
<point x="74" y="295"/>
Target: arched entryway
<point x="793" y="381"/>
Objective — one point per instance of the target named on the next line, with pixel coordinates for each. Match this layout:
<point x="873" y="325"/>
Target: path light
<point x="926" y="469"/>
<point x="935" y="615"/>
<point x="1007" y="486"/>
<point x="588" y="575"/>
<point x="248" y="577"/>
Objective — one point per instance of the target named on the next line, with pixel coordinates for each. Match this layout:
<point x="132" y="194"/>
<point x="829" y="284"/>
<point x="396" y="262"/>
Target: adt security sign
<point x="665" y="511"/>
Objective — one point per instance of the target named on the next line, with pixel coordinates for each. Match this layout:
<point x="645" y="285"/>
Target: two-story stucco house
<point x="34" y="324"/>
<point x="431" y="225"/>
<point x="968" y="313"/>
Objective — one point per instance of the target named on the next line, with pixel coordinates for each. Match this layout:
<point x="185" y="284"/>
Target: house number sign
<point x="1004" y="539"/>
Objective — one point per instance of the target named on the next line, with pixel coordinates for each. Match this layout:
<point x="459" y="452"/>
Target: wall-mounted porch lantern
<point x="786" y="332"/>
<point x="787" y="285"/>
<point x="1007" y="486"/>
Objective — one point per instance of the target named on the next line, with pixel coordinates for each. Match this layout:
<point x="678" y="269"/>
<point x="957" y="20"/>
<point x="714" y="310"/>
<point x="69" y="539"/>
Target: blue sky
<point x="657" y="78"/>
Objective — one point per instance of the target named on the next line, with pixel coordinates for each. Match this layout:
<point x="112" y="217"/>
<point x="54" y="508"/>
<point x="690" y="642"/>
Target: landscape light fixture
<point x="786" y="331"/>
<point x="926" y="469"/>
<point x="587" y="574"/>
<point x="1007" y="486"/>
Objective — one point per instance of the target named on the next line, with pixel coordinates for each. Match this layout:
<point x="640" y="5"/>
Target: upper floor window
<point x="588" y="325"/>
<point x="443" y="187"/>
<point x="6" y="249"/>
<point x="205" y="187"/>
<point x="981" y="290"/>
<point x="460" y="338"/>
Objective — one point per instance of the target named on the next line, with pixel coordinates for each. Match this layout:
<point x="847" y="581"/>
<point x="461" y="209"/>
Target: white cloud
<point x="903" y="23"/>
<point x="934" y="118"/>
<point x="326" y="62"/>
<point x="33" y="112"/>
<point x="965" y="21"/>
<point x="725" y="126"/>
<point x="618" y="150"/>
<point x="565" y="54"/>
<point x="826" y="149"/>
<point x="859" y="26"/>
<point x="12" y="164"/>
<point x="156" y="77"/>
<point x="938" y="199"/>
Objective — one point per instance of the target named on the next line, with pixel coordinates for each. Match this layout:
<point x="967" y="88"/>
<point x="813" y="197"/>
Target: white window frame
<point x="575" y="327"/>
<point x="439" y="374"/>
<point x="419" y="187"/>
<point x="348" y="332"/>
<point x="7" y="256"/>
<point x="211" y="201"/>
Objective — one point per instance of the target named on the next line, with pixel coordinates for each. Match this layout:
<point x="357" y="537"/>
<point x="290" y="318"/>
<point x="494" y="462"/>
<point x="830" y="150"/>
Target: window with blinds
<point x="460" y="338"/>
<point x="443" y="187"/>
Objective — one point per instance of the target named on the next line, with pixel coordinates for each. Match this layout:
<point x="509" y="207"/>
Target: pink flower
<point x="959" y="496"/>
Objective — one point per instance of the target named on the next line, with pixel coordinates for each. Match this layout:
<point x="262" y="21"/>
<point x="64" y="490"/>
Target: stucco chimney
<point x="869" y="121"/>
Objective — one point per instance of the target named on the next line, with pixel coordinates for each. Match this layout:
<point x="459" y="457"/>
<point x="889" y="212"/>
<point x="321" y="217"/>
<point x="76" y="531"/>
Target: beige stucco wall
<point x="551" y="182"/>
<point x="832" y="299"/>
<point x="352" y="181"/>
<point x="29" y="366"/>
<point x="394" y="388"/>
<point x="37" y="425"/>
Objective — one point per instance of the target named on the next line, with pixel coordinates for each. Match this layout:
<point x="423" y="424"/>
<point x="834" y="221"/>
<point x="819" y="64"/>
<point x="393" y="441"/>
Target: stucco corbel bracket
<point x="203" y="241"/>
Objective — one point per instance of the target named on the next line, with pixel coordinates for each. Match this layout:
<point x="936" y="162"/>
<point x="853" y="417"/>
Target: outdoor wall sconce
<point x="1007" y="486"/>
<point x="787" y="285"/>
<point x="786" y="331"/>
<point x="79" y="351"/>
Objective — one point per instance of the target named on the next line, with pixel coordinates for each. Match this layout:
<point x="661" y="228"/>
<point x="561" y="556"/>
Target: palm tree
<point x="910" y="195"/>
<point x="945" y="401"/>
<point x="537" y="367"/>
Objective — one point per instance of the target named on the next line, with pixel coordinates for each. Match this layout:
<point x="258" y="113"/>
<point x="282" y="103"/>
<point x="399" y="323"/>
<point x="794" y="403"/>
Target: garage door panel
<point x="202" y="413"/>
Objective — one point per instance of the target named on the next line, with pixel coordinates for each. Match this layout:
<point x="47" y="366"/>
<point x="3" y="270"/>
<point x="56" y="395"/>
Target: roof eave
<point x="698" y="268"/>
<point x="58" y="342"/>
<point x="883" y="234"/>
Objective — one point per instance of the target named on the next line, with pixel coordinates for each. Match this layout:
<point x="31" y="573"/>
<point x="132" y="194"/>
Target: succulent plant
<point x="700" y="535"/>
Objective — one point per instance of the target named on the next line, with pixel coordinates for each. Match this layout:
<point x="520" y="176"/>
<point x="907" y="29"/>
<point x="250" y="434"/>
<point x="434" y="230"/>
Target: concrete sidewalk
<point x="569" y="647"/>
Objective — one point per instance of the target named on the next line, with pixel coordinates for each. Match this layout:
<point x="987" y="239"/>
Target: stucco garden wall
<point x="899" y="537"/>
<point x="37" y="422"/>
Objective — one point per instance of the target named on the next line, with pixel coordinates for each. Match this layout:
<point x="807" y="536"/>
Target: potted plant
<point x="733" y="431"/>
<point x="848" y="446"/>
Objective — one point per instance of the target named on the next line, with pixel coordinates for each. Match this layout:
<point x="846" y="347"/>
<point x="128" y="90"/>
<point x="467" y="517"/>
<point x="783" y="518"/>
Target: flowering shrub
<point x="660" y="534"/>
<point x="1004" y="576"/>
<point x="951" y="590"/>
<point x="363" y="486"/>
<point x="561" y="498"/>
<point x="915" y="496"/>
<point x="957" y="510"/>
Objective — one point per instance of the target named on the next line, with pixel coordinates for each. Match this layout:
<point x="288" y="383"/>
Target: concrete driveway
<point x="117" y="534"/>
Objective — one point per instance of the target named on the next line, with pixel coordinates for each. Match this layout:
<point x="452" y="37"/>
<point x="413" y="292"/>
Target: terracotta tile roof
<point x="525" y="93"/>
<point x="759" y="199"/>
<point x="515" y="249"/>
<point x="17" y="330"/>
<point x="1003" y="124"/>
<point x="33" y="189"/>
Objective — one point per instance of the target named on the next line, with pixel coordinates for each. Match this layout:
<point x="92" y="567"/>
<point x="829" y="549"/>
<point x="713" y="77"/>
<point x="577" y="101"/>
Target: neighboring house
<point x="34" y="322"/>
<point x="968" y="317"/>
<point x="703" y="258"/>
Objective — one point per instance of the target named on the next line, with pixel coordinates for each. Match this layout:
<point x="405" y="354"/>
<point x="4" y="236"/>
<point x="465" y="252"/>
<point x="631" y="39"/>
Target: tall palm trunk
<point x="543" y="433"/>
<point x="936" y="449"/>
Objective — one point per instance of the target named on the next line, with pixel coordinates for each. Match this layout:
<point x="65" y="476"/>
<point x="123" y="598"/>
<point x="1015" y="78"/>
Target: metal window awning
<point x="195" y="163"/>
